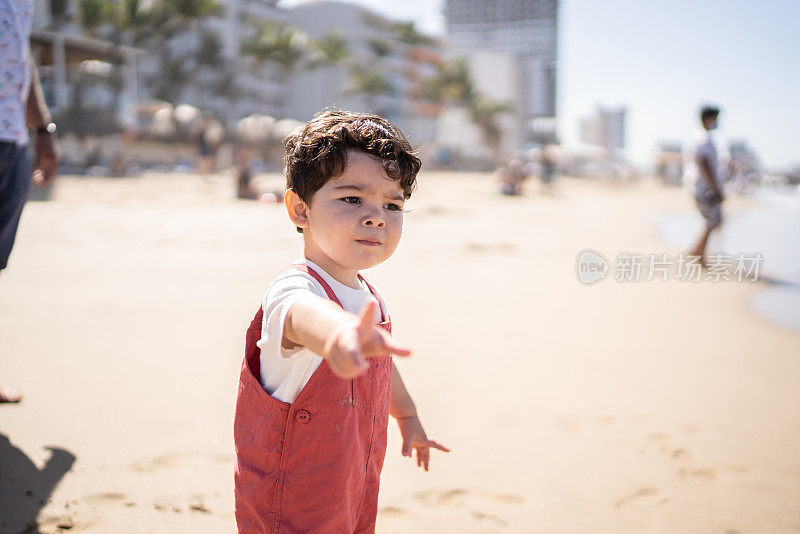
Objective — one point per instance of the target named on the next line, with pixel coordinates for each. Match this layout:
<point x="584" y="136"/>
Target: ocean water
<point x="772" y="228"/>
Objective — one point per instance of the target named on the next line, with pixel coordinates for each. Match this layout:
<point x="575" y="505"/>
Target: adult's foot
<point x="9" y="395"/>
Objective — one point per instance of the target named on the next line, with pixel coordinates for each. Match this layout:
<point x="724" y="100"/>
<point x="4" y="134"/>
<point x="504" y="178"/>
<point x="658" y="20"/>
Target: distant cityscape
<point x="484" y="93"/>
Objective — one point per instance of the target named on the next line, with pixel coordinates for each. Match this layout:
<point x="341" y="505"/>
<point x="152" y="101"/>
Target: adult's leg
<point x="712" y="213"/>
<point x="699" y="248"/>
<point x="15" y="179"/>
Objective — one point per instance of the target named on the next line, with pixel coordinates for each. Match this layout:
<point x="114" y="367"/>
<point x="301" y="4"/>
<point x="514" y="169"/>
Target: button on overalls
<point x="313" y="465"/>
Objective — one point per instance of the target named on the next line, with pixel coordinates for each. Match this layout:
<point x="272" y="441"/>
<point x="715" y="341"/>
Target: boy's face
<point x="355" y="220"/>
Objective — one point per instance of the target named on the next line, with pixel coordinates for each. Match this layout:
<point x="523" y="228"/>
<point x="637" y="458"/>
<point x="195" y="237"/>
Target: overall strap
<point x="375" y="294"/>
<point x="329" y="291"/>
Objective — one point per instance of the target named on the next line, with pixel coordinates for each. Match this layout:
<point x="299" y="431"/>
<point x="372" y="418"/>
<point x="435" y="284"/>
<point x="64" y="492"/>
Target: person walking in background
<point x="547" y="162"/>
<point x="21" y="106"/>
<point x="702" y="174"/>
<point x="207" y="135"/>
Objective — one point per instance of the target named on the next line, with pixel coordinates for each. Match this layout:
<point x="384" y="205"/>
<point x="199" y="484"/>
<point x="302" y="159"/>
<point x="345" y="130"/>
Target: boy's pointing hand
<point x="350" y="344"/>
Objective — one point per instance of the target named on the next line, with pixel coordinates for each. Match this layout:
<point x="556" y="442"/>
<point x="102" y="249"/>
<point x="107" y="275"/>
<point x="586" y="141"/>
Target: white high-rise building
<point x="528" y="29"/>
<point x="375" y="52"/>
<point x="205" y="64"/>
<point x="605" y="128"/>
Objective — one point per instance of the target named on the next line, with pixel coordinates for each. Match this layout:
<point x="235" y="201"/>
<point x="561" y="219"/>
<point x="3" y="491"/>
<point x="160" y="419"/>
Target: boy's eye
<point x="394" y="207"/>
<point x="352" y="200"/>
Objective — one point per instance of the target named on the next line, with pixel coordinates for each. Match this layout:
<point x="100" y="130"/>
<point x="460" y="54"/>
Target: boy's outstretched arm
<point x="343" y="339"/>
<point x="402" y="408"/>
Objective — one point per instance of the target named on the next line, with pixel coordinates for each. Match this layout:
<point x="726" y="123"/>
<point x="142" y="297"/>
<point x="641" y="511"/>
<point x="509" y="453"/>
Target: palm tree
<point x="407" y="33"/>
<point x="453" y="84"/>
<point x="369" y="81"/>
<point x="92" y="14"/>
<point x="277" y="43"/>
<point x="134" y="18"/>
<point x="282" y="45"/>
<point x="176" y="15"/>
<point x="166" y="19"/>
<point x="485" y="113"/>
<point x="328" y="51"/>
<point x="381" y="48"/>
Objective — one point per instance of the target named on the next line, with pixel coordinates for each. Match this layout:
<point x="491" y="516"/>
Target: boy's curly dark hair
<point x="319" y="152"/>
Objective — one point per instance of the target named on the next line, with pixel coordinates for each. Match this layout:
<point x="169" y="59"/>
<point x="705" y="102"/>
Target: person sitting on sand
<point x="512" y="177"/>
<point x="245" y="188"/>
<point x="318" y="383"/>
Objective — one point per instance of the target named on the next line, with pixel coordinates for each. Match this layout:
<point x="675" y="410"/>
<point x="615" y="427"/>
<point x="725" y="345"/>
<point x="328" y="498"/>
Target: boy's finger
<point x="406" y="448"/>
<point x="394" y="347"/>
<point x="433" y="444"/>
<point x="366" y="317"/>
<point x="386" y="345"/>
<point x="423" y="457"/>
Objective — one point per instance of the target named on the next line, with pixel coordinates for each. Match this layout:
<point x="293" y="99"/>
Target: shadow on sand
<point x="24" y="488"/>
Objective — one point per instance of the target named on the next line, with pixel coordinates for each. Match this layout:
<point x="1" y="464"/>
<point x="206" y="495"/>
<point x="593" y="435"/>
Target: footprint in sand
<point x="705" y="475"/>
<point x="682" y="454"/>
<point x="658" y="437"/>
<point x="169" y="460"/>
<point x="459" y="497"/>
<point x="167" y="504"/>
<point x="54" y="524"/>
<point x="639" y="494"/>
<point x="392" y="511"/>
<point x="483" y="505"/>
<point x="497" y="520"/>
<point x="111" y="496"/>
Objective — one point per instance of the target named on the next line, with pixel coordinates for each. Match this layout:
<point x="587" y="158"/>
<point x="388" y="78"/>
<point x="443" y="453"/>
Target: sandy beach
<point x="659" y="407"/>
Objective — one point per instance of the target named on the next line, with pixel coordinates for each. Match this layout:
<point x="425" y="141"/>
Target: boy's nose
<point x="374" y="219"/>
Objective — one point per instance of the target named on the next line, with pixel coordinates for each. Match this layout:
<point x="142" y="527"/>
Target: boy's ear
<point x="296" y="208"/>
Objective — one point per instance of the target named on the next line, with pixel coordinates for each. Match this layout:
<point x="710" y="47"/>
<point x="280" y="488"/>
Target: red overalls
<point x="313" y="465"/>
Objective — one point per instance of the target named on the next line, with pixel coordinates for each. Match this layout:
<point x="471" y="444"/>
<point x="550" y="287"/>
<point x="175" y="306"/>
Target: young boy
<point x="318" y="382"/>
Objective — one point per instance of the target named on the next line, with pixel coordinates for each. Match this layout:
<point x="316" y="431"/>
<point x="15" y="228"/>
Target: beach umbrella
<point x="186" y="114"/>
<point x="284" y="127"/>
<point x="163" y="125"/>
<point x="254" y="128"/>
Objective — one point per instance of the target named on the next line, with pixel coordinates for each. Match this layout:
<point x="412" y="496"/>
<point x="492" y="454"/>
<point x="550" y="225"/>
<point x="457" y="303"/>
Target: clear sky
<point x="662" y="59"/>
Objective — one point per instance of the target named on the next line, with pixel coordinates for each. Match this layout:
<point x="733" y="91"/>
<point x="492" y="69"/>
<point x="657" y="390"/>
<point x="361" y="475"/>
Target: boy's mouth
<point x="369" y="242"/>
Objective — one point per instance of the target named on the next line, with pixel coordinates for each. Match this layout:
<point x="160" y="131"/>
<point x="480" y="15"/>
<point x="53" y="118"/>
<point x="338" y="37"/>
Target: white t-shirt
<point x="284" y="372"/>
<point x="702" y="144"/>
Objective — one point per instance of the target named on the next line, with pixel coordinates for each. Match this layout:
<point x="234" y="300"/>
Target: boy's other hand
<point x="414" y="437"/>
<point x="348" y="347"/>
